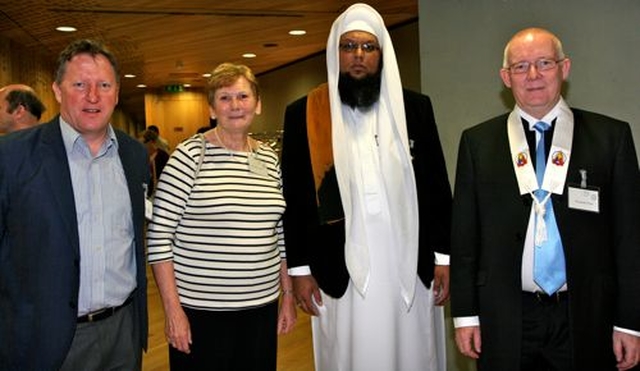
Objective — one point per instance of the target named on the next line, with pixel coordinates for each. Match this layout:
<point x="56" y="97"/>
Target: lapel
<point x="135" y="180"/>
<point x="56" y="167"/>
<point x="518" y="206"/>
<point x="561" y="202"/>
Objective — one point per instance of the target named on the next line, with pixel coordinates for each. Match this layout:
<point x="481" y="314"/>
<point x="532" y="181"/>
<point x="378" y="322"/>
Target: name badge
<point x="257" y="166"/>
<point x="585" y="199"/>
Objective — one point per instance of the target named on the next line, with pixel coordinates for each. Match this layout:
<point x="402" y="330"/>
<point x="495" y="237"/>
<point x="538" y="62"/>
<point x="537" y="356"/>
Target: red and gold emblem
<point x="559" y="158"/>
<point x="521" y="159"/>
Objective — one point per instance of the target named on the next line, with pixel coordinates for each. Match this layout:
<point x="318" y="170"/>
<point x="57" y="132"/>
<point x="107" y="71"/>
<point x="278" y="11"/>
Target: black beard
<point x="359" y="93"/>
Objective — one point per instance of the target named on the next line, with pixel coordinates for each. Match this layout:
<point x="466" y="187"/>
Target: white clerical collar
<point x="548" y="118"/>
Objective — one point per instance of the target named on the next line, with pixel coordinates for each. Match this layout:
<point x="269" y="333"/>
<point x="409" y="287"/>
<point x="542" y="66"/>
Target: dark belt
<point x="105" y="313"/>
<point x="541" y="297"/>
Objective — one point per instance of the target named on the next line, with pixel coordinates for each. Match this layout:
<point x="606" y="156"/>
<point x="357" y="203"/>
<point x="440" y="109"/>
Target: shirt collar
<point x="71" y="137"/>
<point x="548" y="118"/>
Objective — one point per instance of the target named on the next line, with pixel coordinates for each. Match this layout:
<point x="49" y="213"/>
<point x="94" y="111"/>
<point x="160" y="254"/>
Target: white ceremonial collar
<point x="557" y="163"/>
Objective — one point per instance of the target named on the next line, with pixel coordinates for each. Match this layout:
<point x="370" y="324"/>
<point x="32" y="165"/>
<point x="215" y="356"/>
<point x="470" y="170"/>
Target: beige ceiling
<point x="166" y="42"/>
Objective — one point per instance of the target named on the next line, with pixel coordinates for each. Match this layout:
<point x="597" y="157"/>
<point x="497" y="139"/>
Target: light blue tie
<point x="548" y="264"/>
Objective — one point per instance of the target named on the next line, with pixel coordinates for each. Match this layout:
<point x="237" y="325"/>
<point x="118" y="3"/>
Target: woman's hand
<point x="287" y="315"/>
<point x="178" y="330"/>
<point x="176" y="323"/>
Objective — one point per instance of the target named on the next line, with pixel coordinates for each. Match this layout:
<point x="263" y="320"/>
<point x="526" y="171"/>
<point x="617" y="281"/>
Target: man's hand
<point x="441" y="284"/>
<point x="468" y="341"/>
<point x="626" y="347"/>
<point x="307" y="293"/>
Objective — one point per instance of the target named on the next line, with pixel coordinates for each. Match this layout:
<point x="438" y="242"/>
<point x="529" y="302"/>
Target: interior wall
<point x="461" y="47"/>
<point x="177" y="115"/>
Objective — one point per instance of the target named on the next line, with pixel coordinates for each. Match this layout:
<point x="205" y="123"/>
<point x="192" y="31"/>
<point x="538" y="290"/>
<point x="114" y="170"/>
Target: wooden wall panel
<point x="5" y="61"/>
<point x="177" y="115"/>
<point x="20" y="65"/>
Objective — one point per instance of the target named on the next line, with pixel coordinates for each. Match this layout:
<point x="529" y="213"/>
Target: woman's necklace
<point x="230" y="151"/>
<point x="255" y="165"/>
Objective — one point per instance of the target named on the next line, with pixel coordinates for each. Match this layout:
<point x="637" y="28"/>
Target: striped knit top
<point x="223" y="230"/>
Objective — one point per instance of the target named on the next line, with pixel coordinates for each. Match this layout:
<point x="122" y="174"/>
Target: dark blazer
<point x="39" y="246"/>
<point x="322" y="246"/>
<point x="602" y="250"/>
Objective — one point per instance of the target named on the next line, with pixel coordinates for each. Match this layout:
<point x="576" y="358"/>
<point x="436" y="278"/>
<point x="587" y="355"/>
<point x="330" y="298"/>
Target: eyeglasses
<point x="352" y="47"/>
<point x="542" y="64"/>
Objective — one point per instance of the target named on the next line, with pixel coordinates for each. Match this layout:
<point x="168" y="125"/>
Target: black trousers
<point x="237" y="340"/>
<point x="546" y="340"/>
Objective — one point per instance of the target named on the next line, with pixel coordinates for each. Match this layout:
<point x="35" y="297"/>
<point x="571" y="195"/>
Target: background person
<point x="20" y="108"/>
<point x="72" y="266"/>
<point x="216" y="243"/>
<point x="161" y="142"/>
<point x="505" y="314"/>
<point x="368" y="205"/>
<point x="157" y="157"/>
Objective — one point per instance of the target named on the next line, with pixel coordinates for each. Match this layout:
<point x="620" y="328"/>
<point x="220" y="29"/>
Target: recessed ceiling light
<point x="141" y="86"/>
<point x="129" y="75"/>
<point x="249" y="55"/>
<point x="66" y="29"/>
<point x="206" y="75"/>
<point x="187" y="85"/>
<point x="297" y="32"/>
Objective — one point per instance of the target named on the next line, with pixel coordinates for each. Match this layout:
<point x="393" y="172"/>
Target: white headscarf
<point x="395" y="158"/>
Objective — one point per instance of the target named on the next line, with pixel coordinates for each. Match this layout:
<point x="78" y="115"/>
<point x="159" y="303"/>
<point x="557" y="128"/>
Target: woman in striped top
<point x="215" y="239"/>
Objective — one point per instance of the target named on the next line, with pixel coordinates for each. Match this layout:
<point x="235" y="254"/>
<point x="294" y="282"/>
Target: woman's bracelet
<point x="287" y="292"/>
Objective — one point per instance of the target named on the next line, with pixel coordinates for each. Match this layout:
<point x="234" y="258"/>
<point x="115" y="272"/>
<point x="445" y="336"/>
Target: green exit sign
<point x="174" y="88"/>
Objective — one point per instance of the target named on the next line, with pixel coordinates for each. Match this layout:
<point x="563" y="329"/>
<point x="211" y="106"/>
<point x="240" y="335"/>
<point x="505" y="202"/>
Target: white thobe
<point x="376" y="332"/>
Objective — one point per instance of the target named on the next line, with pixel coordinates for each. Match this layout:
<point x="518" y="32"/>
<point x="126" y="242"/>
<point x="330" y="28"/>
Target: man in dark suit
<point x="72" y="264"/>
<point x="368" y="206"/>
<point x="514" y="306"/>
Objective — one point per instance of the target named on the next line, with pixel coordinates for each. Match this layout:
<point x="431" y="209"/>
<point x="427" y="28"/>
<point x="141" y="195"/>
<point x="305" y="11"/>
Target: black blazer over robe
<point x="322" y="246"/>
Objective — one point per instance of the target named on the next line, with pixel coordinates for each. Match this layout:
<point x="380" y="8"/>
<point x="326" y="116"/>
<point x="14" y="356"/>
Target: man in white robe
<point x="368" y="208"/>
